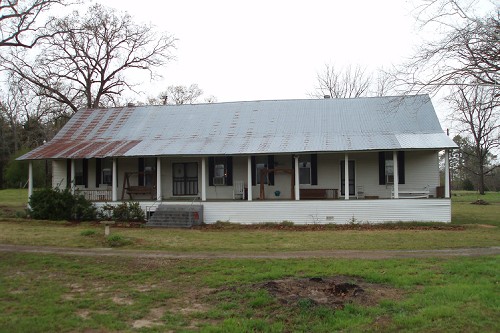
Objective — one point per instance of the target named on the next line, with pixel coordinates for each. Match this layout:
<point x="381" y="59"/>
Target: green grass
<point x="58" y="293"/>
<point x="243" y="241"/>
<point x="48" y="293"/>
<point x="463" y="212"/>
<point x="13" y="202"/>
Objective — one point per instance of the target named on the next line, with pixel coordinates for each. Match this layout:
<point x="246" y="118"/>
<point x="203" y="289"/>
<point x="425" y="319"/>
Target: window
<point x="107" y="171"/>
<point x="305" y="173"/>
<point x="147" y="169"/>
<point x="389" y="168"/>
<point x="260" y="164"/>
<point x="386" y="168"/>
<point x="79" y="177"/>
<point x="220" y="171"/>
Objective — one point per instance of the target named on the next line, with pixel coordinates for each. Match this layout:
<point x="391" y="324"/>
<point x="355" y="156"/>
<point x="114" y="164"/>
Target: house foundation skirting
<point x="320" y="211"/>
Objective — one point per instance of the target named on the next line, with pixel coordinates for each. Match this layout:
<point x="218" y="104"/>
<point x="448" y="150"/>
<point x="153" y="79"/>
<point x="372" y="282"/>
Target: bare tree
<point x="468" y="47"/>
<point x="348" y="82"/>
<point x="19" y="26"/>
<point x="477" y="113"/>
<point x="179" y="95"/>
<point x="84" y="63"/>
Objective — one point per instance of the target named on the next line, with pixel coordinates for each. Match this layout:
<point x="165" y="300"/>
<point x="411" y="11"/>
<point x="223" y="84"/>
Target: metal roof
<point x="243" y="128"/>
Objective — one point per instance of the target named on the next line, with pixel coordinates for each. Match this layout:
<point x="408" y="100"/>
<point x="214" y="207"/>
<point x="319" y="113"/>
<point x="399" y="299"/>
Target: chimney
<point x="326" y="96"/>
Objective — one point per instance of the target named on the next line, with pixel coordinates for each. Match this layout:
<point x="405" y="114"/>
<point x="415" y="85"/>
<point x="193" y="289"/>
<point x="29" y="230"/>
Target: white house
<point x="306" y="161"/>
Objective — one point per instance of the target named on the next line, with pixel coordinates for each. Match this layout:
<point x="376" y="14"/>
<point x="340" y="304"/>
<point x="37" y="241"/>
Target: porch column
<point x="396" y="174"/>
<point x="73" y="175"/>
<point x="114" y="182"/>
<point x="346" y="176"/>
<point x="203" y="179"/>
<point x="297" y="179"/>
<point x="30" y="181"/>
<point x="249" y="178"/>
<point x="447" y="173"/>
<point x="158" y="179"/>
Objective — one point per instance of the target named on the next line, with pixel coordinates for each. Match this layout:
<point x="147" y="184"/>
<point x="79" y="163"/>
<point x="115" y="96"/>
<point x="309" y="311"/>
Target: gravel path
<point x="339" y="254"/>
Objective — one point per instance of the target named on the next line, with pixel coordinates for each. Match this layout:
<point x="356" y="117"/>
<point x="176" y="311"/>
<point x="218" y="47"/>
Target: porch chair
<point x="238" y="189"/>
<point x="360" y="192"/>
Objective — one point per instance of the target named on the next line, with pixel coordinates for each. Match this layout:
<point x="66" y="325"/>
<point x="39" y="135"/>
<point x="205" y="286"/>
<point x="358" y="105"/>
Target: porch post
<point x="114" y="182"/>
<point x="249" y="178"/>
<point x="396" y="174"/>
<point x="447" y="173"/>
<point x="297" y="179"/>
<point x="203" y="179"/>
<point x="346" y="176"/>
<point x="73" y="175"/>
<point x="30" y="181"/>
<point x="158" y="179"/>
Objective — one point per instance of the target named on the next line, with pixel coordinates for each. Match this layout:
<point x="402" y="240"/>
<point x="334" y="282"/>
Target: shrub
<point x="56" y="204"/>
<point x="131" y="211"/>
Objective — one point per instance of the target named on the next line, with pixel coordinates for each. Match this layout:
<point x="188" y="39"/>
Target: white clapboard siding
<point x="59" y="173"/>
<point x="320" y="211"/>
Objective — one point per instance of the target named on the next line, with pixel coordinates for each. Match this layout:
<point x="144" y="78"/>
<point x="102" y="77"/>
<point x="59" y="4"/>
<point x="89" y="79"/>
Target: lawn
<point x="57" y="293"/>
<point x="50" y="293"/>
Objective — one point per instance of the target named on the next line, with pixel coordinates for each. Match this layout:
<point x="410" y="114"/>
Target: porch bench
<point x="140" y="190"/>
<point x="412" y="193"/>
<point x="317" y="193"/>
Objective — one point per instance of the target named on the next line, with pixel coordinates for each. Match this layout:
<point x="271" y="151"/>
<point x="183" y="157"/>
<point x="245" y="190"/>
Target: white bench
<point x="412" y="193"/>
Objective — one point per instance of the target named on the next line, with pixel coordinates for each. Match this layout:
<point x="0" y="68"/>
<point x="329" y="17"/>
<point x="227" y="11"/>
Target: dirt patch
<point x="333" y="292"/>
<point x="480" y="202"/>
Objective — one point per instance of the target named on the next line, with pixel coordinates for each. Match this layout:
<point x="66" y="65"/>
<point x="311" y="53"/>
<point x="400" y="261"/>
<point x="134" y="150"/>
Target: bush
<point x="131" y="211"/>
<point x="56" y="204"/>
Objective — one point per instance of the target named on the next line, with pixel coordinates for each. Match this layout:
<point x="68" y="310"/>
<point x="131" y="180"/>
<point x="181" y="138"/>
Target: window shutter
<point x="211" y="166"/>
<point x="254" y="171"/>
<point x="97" y="172"/>
<point x="314" y="169"/>
<point x="381" y="168"/>
<point x="140" y="176"/>
<point x="401" y="167"/>
<point x="86" y="172"/>
<point x="68" y="173"/>
<point x="229" y="166"/>
<point x="270" y="165"/>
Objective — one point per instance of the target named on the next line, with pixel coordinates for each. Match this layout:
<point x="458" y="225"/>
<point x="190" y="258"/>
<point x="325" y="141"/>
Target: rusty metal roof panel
<point x="258" y="127"/>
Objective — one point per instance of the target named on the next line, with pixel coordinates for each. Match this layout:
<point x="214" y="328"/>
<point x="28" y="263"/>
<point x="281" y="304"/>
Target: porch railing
<point x="96" y="195"/>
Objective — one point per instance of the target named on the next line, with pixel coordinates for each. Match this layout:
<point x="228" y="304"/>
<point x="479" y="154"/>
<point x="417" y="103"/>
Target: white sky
<point x="255" y="50"/>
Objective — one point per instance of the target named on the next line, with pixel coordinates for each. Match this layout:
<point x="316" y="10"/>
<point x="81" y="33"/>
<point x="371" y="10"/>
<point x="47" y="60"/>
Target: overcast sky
<point x="258" y="50"/>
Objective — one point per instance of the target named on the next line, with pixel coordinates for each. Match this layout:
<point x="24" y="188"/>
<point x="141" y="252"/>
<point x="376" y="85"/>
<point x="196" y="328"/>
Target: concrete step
<point x="176" y="216"/>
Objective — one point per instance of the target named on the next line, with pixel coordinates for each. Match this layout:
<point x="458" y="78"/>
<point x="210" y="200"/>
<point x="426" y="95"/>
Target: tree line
<point x="54" y="66"/>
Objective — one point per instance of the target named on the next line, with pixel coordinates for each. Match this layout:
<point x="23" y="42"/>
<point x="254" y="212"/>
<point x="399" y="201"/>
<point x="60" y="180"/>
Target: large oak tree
<point x="85" y="62"/>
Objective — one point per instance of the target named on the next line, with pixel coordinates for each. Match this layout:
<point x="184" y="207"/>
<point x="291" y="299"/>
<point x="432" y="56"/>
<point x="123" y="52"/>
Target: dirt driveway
<point x="335" y="254"/>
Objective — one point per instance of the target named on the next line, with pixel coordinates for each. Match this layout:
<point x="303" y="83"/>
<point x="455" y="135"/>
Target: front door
<point x="185" y="178"/>
<point x="352" y="177"/>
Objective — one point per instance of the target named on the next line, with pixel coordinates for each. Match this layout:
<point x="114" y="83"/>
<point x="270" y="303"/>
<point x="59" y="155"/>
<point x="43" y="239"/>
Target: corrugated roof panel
<point x="259" y="127"/>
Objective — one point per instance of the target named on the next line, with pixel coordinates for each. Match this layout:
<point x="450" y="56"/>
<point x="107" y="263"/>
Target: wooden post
<point x="346" y="176"/>
<point x="249" y="178"/>
<point x="30" y="181"/>
<point x="396" y="174"/>
<point x="297" y="178"/>
<point x="158" y="179"/>
<point x="447" y="174"/>
<point x="114" y="182"/>
<point x="203" y="179"/>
